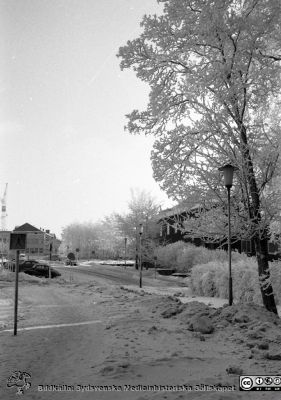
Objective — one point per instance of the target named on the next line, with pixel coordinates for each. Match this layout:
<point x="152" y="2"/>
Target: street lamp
<point x="125" y="240"/>
<point x="228" y="170"/>
<point x="140" y="251"/>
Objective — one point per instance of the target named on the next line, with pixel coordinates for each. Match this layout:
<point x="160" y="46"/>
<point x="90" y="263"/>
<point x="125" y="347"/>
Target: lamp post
<point x="140" y="255"/>
<point x="228" y="170"/>
<point x="155" y="262"/>
<point x="125" y="241"/>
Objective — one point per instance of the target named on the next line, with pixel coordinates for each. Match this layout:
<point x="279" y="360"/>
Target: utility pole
<point x="51" y="248"/>
<point x="140" y="255"/>
<point x="18" y="243"/>
<point x="125" y="240"/>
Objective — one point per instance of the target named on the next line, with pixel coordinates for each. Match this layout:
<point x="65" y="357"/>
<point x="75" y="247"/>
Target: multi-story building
<point x="39" y="242"/>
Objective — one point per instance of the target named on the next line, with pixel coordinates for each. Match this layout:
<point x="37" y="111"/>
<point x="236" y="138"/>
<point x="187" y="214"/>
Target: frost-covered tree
<point x="100" y="239"/>
<point x="142" y="209"/>
<point x="213" y="67"/>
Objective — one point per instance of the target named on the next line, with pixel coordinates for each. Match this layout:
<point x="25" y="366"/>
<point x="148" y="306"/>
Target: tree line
<point x="108" y="237"/>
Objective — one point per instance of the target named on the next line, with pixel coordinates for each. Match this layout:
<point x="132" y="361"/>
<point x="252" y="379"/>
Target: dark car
<point x="166" y="271"/>
<point x="70" y="262"/>
<point x="42" y="270"/>
<point x="55" y="257"/>
<point x="23" y="265"/>
<point x="27" y="264"/>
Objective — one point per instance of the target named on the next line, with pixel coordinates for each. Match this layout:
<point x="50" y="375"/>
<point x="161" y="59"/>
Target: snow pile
<point x="248" y="324"/>
<point x="7" y="276"/>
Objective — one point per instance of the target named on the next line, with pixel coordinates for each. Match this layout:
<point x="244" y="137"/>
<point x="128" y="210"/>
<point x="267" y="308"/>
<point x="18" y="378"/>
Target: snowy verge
<point x="183" y="294"/>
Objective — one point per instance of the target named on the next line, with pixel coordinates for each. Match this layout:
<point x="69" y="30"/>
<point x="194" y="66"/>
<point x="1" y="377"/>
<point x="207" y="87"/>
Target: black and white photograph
<point x="140" y="190"/>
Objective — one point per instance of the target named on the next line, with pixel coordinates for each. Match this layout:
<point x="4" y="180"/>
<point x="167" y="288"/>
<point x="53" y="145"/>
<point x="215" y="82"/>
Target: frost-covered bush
<point x="183" y="256"/>
<point x="187" y="257"/>
<point x="209" y="268"/>
<point x="211" y="280"/>
<point x="167" y="256"/>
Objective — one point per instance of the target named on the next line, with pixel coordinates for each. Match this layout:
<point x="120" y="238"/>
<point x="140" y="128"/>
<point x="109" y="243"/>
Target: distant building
<point x="39" y="242"/>
<point x="171" y="229"/>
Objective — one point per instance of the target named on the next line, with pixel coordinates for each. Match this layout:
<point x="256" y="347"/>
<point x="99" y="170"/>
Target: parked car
<point x="55" y="257"/>
<point x="27" y="264"/>
<point x="181" y="274"/>
<point x="70" y="262"/>
<point x="42" y="270"/>
<point x="166" y="271"/>
<point x="22" y="257"/>
<point x="23" y="265"/>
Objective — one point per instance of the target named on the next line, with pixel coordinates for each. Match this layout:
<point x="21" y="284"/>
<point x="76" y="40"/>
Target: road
<point x="114" y="274"/>
<point x="120" y="276"/>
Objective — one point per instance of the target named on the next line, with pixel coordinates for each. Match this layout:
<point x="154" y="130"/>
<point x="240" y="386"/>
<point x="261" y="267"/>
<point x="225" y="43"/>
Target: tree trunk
<point x="260" y="238"/>
<point x="263" y="269"/>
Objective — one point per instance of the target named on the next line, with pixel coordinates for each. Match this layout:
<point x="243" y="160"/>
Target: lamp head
<point x="228" y="170"/>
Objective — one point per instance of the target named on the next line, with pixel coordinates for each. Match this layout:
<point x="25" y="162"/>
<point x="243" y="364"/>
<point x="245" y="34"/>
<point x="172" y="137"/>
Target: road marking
<point x="46" y="305"/>
<point x="6" y="303"/>
<point x="29" y="328"/>
<point x="34" y="306"/>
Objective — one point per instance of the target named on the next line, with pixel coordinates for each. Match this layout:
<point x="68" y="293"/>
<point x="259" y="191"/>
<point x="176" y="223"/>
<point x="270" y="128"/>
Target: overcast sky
<point x="64" y="152"/>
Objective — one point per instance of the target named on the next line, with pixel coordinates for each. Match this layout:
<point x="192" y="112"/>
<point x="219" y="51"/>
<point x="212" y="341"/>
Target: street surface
<point x="123" y="276"/>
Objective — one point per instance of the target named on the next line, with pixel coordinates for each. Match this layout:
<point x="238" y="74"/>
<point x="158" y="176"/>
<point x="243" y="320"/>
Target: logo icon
<point x="277" y="380"/>
<point x="268" y="380"/>
<point x="19" y="380"/>
<point x="259" y="380"/>
<point x="246" y="383"/>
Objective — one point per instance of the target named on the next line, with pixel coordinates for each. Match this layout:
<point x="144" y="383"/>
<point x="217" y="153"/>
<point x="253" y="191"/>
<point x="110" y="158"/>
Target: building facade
<point x="171" y="230"/>
<point x="39" y="242"/>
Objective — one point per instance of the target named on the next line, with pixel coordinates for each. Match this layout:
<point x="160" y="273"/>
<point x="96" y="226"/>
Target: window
<point x="272" y="247"/>
<point x="246" y="246"/>
<point x="168" y="229"/>
<point x="161" y="231"/>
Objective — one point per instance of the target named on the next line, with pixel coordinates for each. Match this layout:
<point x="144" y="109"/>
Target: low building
<point x="39" y="242"/>
<point x="171" y="229"/>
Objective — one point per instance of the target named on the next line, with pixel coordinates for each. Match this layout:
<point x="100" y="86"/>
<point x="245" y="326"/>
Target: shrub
<point x="211" y="280"/>
<point x="183" y="256"/>
<point x="167" y="256"/>
<point x="209" y="268"/>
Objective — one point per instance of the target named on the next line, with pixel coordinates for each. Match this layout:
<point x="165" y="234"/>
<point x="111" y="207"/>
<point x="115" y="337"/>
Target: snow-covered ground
<point x="87" y="333"/>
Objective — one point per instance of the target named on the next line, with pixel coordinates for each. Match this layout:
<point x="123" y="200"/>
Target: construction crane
<point x="4" y="209"/>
